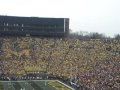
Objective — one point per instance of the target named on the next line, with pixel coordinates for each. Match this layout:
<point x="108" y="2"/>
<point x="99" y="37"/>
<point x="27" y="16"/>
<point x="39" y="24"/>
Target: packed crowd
<point x="95" y="63"/>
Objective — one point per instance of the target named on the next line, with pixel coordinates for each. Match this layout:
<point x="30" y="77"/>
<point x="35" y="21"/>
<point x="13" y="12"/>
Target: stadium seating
<point x="96" y="63"/>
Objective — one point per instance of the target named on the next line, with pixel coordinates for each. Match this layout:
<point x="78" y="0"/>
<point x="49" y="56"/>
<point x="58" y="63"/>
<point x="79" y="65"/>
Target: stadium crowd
<point x="93" y="63"/>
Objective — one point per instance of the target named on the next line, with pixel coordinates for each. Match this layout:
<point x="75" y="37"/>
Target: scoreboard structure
<point x="34" y="26"/>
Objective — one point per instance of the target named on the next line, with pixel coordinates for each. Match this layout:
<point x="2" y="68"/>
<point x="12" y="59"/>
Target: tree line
<point x="94" y="35"/>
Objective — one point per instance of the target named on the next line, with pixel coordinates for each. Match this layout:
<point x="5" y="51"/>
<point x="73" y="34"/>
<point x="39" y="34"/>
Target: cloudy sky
<point x="101" y="16"/>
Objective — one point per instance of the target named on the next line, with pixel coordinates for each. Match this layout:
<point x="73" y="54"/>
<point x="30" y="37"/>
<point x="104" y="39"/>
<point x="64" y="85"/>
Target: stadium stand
<point x="92" y="63"/>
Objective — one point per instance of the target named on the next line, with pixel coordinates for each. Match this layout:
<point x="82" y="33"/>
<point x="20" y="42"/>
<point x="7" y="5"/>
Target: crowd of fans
<point x="95" y="63"/>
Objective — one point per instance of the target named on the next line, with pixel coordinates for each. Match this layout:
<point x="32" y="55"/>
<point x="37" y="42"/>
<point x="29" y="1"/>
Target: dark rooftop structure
<point x="34" y="26"/>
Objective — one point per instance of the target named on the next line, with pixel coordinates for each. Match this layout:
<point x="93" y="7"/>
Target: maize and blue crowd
<point x="95" y="62"/>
